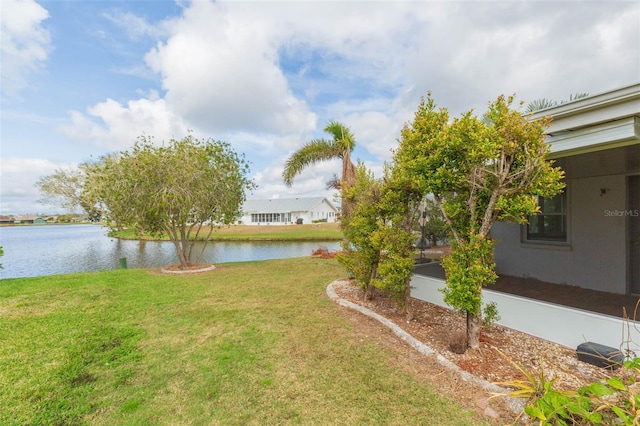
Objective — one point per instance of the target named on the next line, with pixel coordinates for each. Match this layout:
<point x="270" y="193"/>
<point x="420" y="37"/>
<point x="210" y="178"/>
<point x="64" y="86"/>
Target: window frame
<point x="270" y="217"/>
<point x="542" y="239"/>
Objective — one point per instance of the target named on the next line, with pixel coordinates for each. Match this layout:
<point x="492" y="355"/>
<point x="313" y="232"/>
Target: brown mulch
<point x="323" y="253"/>
<point x="443" y="330"/>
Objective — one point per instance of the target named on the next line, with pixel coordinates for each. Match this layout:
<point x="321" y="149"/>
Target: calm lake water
<point x="31" y="251"/>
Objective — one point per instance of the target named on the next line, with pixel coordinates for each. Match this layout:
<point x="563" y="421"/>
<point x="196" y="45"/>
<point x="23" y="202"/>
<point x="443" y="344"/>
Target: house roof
<point x="603" y="121"/>
<point x="284" y="205"/>
<point x="27" y="217"/>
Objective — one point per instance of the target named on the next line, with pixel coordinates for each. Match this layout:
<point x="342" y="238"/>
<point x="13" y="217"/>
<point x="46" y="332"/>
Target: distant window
<point x="270" y="217"/>
<point x="551" y="223"/>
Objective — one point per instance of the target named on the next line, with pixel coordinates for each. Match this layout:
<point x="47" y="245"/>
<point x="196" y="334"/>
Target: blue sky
<point x="85" y="78"/>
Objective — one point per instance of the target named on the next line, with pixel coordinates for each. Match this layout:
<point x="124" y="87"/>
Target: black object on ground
<point x="600" y="355"/>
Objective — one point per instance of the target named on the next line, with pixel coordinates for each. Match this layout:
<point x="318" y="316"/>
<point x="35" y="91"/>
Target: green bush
<point x="490" y="315"/>
<point x="614" y="401"/>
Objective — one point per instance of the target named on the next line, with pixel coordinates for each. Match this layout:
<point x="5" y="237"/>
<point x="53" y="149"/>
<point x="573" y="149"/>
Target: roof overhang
<point x="610" y="135"/>
<point x="604" y="121"/>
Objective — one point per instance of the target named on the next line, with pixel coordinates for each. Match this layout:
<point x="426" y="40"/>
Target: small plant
<point x="490" y="315"/>
<point x="614" y="401"/>
<point x="618" y="399"/>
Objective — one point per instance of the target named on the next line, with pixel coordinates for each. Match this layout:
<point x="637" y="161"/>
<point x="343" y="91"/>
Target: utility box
<point x="600" y="355"/>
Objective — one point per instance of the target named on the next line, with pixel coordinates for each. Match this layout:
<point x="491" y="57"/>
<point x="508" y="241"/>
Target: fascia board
<point x="595" y="109"/>
<point x="606" y="136"/>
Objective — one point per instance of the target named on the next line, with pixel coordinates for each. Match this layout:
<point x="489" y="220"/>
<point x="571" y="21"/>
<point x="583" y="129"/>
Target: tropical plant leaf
<point x="598" y="389"/>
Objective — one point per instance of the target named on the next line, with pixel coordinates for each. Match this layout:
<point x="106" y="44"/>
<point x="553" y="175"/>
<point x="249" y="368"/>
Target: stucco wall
<point x="322" y="211"/>
<point x="516" y="312"/>
<point x="595" y="256"/>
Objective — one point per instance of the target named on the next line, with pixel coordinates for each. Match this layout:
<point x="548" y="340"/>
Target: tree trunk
<point x="348" y="179"/>
<point x="179" y="252"/>
<point x="367" y="289"/>
<point x="408" y="308"/>
<point x="183" y="254"/>
<point x="474" y="325"/>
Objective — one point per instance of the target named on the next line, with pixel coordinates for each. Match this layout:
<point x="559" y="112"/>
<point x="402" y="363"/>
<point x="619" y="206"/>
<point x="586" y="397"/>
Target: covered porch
<point x="567" y="315"/>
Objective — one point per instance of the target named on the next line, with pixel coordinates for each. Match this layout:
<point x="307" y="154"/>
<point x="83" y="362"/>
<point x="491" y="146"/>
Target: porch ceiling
<point x="621" y="160"/>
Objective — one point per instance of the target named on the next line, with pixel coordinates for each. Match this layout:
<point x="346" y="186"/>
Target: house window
<point x="551" y="223"/>
<point x="270" y="217"/>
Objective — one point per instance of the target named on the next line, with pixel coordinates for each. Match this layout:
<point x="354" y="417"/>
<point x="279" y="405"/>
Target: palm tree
<point x="540" y="104"/>
<point x="318" y="150"/>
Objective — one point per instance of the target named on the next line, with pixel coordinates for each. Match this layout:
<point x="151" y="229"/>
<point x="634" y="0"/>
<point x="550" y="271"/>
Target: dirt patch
<point x="444" y="331"/>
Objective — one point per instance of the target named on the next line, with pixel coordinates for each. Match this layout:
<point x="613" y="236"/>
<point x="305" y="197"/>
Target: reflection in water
<point x="58" y="249"/>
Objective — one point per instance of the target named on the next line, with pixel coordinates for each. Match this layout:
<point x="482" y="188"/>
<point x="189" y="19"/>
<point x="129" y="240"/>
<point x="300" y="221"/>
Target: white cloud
<point x="115" y="126"/>
<point x="311" y="182"/>
<point x="135" y="26"/>
<point x="221" y="73"/>
<point x="478" y="50"/>
<point x="378" y="133"/>
<point x="25" y="43"/>
<point x="266" y="76"/>
<point x="18" y="176"/>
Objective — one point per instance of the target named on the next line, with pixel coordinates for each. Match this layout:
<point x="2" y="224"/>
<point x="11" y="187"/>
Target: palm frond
<point x="540" y="104"/>
<point x="334" y="183"/>
<point x="576" y="96"/>
<point x="341" y="135"/>
<point x="311" y="153"/>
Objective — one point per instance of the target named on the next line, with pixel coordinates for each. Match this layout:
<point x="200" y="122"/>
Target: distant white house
<point x="283" y="211"/>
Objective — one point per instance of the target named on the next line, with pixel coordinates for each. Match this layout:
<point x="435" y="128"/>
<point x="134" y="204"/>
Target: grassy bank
<point x="249" y="343"/>
<point x="311" y="232"/>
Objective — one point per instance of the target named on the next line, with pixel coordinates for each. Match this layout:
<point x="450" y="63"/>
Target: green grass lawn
<point x="315" y="232"/>
<point x="252" y="343"/>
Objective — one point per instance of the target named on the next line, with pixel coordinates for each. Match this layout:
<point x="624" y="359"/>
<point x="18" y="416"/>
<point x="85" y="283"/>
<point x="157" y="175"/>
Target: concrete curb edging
<point x="193" y="271"/>
<point x="515" y="404"/>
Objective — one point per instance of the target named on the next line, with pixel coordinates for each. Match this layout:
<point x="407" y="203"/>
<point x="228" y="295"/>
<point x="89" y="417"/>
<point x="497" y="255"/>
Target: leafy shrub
<point x="614" y="401"/>
<point x="490" y="315"/>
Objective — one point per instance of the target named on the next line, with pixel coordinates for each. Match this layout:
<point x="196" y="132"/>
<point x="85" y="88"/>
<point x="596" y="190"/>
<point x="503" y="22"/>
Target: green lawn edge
<point x="312" y="232"/>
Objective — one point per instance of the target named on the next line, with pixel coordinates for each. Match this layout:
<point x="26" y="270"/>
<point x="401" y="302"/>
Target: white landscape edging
<point x="188" y="271"/>
<point x="514" y="404"/>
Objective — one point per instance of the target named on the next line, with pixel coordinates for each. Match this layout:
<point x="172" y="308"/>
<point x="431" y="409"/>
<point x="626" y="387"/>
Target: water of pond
<point x="31" y="251"/>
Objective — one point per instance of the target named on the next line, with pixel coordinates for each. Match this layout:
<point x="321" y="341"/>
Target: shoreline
<point x="233" y="239"/>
